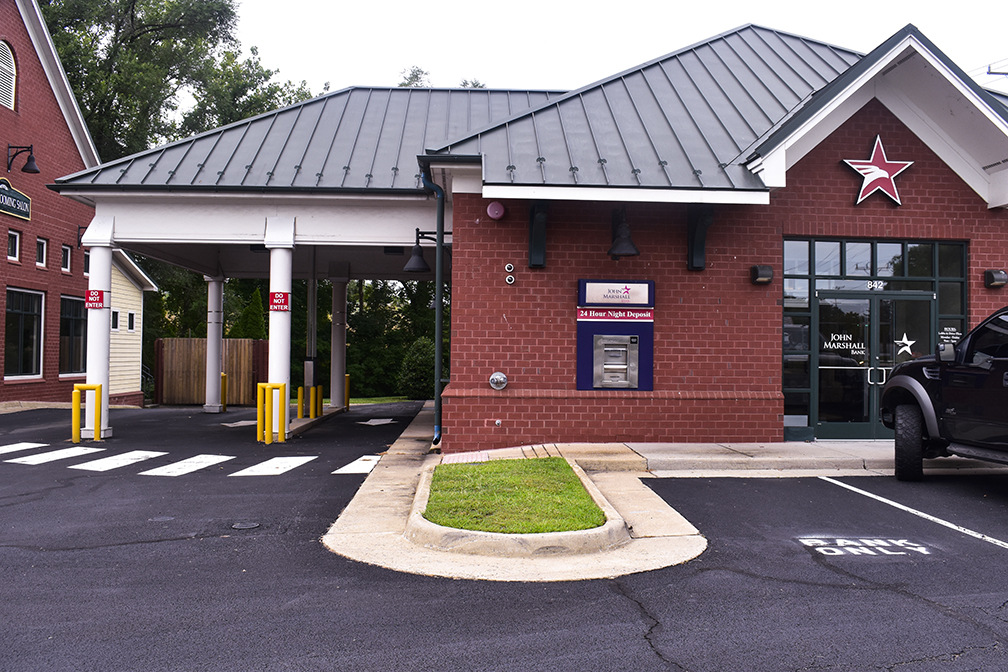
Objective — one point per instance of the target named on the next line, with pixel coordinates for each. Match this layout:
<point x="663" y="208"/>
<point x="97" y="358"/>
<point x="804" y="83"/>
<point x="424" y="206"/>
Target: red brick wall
<point x="37" y="120"/>
<point x="717" y="337"/>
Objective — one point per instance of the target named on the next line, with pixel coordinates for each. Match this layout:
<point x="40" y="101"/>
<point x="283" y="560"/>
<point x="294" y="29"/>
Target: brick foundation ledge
<point x="519" y="393"/>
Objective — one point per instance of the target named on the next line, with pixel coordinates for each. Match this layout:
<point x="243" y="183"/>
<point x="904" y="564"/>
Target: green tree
<point x="231" y="89"/>
<point x="414" y="76"/>
<point x="472" y="84"/>
<point x="127" y="60"/>
<point x="416" y="375"/>
<point x="251" y="323"/>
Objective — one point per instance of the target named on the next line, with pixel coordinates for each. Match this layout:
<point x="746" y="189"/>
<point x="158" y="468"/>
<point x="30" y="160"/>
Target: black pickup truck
<point x="954" y="402"/>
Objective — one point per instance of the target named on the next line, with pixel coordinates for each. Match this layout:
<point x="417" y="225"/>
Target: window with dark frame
<point x="13" y="244"/>
<point x="73" y="336"/>
<point x="131" y="322"/>
<point x="41" y="246"/>
<point x="65" y="259"/>
<point x="23" y="334"/>
<point x="115" y="320"/>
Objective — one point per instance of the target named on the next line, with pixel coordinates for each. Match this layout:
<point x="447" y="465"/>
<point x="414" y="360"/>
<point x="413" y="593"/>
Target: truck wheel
<point x="909" y="443"/>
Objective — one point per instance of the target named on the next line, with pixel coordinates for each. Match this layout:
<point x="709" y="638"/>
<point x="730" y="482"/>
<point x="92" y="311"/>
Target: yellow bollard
<point x="300" y="402"/>
<point x="320" y="399"/>
<point x="268" y="408"/>
<point x="284" y="405"/>
<point x="75" y="415"/>
<point x="311" y="402"/>
<point x="259" y="411"/>
<point x="223" y="392"/>
<point x="97" y="389"/>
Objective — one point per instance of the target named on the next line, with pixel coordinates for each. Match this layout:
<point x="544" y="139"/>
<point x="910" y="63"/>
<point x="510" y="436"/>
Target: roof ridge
<point x="673" y="54"/>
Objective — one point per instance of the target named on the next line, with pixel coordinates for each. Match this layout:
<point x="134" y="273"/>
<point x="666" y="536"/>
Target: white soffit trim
<point x="546" y="193"/>
<point x="935" y="138"/>
<point x="997" y="194"/>
<point x="859" y="92"/>
<point x="132" y="272"/>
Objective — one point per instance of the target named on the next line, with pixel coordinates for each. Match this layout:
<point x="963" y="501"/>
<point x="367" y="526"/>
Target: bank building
<point x="736" y="241"/>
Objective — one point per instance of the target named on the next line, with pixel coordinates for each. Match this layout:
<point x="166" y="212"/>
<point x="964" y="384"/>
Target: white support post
<point x="214" y="344"/>
<point x="337" y="377"/>
<point x="311" y="336"/>
<point x="99" y="332"/>
<point x="281" y="261"/>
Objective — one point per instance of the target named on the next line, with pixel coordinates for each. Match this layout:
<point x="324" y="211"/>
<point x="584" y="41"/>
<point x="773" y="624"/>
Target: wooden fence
<point x="180" y="376"/>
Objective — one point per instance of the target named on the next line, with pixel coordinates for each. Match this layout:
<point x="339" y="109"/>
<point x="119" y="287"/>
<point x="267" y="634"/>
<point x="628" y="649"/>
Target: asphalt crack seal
<point x="245" y="526"/>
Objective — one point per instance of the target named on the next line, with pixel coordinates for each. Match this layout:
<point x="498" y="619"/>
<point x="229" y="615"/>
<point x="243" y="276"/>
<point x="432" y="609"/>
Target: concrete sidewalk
<point x="383" y="524"/>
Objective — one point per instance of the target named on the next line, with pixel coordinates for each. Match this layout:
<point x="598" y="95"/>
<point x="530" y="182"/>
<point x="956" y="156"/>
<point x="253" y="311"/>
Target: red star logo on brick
<point x="879" y="173"/>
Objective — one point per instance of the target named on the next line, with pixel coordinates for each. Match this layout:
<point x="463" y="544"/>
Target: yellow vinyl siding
<point x="125" y="346"/>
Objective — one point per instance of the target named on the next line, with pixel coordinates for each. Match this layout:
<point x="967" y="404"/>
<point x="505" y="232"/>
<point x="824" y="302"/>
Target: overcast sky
<point x="546" y="44"/>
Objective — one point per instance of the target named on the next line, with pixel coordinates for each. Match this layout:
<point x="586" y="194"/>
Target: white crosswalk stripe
<point x="188" y="466"/>
<point x="15" y="447"/>
<point x="52" y="456"/>
<point x="116" y="461"/>
<point x="275" y="466"/>
<point x="362" y="465"/>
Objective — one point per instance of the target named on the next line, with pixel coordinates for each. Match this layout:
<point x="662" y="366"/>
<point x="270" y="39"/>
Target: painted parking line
<point x="188" y="466"/>
<point x="15" y="447"/>
<point x="116" y="461"/>
<point x="362" y="465"/>
<point x="274" y="466"/>
<point x="919" y="514"/>
<point x="54" y="455"/>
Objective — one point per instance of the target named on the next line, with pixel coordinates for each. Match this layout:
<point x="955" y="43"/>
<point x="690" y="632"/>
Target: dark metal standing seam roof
<point x="680" y="121"/>
<point x="357" y="139"/>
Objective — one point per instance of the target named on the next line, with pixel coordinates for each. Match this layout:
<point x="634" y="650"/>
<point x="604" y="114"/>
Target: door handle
<point x="870" y="381"/>
<point x="885" y="376"/>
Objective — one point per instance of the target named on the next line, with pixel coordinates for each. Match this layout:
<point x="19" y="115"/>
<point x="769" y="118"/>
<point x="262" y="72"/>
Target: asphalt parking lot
<point x="118" y="570"/>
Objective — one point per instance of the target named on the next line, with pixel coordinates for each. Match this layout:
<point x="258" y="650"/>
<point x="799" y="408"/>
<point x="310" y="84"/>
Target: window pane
<point x="950" y="260"/>
<point x="950" y="331"/>
<point x="858" y="259"/>
<point x="73" y="336"/>
<point x="796" y="257"/>
<point x="950" y="298"/>
<point x="890" y="259"/>
<point x="796" y="294"/>
<point x="920" y="257"/>
<point x="796" y="332"/>
<point x="796" y="371"/>
<point x="827" y="258"/>
<point x="22" y="334"/>
<point x="796" y="409"/>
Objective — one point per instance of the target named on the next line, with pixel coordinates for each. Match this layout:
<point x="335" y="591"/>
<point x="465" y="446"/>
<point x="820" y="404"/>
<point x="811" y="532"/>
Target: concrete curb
<point x="420" y="531"/>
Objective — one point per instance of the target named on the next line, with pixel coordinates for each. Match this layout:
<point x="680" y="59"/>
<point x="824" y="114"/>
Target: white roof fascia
<point x="628" y="195"/>
<point x="58" y="82"/>
<point x="840" y="103"/>
<point x="133" y="273"/>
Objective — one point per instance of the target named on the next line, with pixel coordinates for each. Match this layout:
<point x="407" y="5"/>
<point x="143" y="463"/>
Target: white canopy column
<point x="98" y="238"/>
<point x="337" y="377"/>
<point x="280" y="243"/>
<point x="214" y="344"/>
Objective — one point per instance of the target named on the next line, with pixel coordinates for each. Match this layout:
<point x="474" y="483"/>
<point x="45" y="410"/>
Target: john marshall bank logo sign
<point x="12" y="201"/>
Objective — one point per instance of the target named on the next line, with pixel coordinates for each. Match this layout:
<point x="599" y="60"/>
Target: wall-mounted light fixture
<point x="761" y="275"/>
<point x="622" y="244"/>
<point x="995" y="279"/>
<point x="416" y="263"/>
<point x="14" y="150"/>
<point x="498" y="380"/>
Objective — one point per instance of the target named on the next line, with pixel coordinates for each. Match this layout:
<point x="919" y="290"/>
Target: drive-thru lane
<point x="810" y="574"/>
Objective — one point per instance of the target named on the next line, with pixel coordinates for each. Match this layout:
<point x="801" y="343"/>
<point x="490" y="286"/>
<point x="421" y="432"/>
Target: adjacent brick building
<point x="43" y="277"/>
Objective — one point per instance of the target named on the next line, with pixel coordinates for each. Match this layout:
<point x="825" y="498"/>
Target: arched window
<point x="7" y="75"/>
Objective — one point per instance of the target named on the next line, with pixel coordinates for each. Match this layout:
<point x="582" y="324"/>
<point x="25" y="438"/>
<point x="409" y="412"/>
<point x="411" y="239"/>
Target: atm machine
<point x="615" y="335"/>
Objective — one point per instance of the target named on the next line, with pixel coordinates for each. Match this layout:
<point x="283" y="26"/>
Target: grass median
<point x="512" y="496"/>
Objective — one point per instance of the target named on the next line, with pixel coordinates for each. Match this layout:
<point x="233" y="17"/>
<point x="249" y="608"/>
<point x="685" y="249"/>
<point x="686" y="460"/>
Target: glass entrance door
<point x="862" y="336"/>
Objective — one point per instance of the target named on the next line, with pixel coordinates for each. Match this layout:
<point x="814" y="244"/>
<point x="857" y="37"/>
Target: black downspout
<point x="438" y="304"/>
